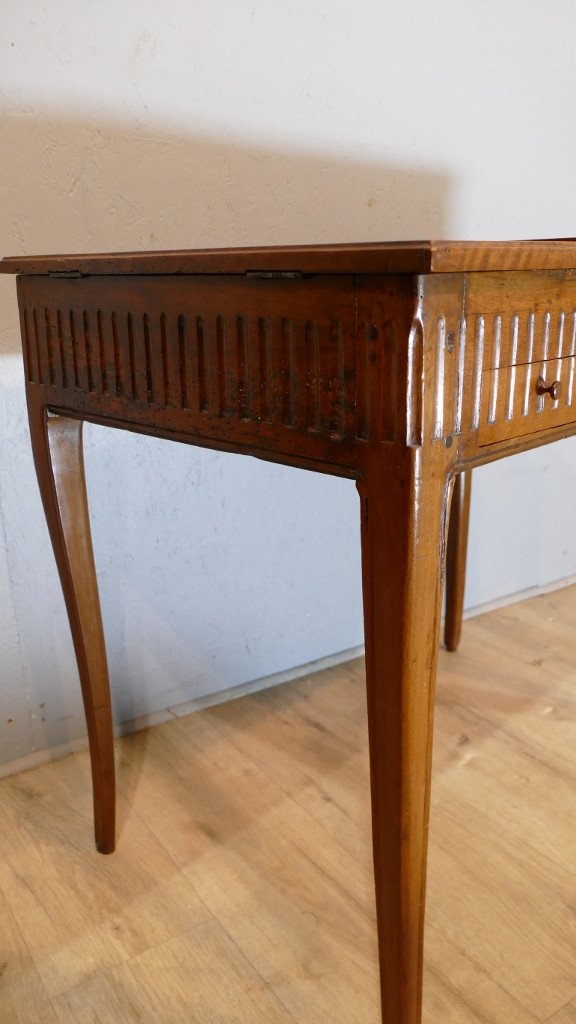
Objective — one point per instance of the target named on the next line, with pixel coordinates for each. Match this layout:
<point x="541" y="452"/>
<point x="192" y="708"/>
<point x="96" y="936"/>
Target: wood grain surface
<point x="456" y="552"/>
<point x="369" y="257"/>
<point x="242" y="884"/>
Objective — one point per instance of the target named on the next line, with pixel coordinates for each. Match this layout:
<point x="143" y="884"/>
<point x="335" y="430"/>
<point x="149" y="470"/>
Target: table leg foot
<point x="403" y="509"/>
<point x="456" y="558"/>
<point x="58" y="457"/>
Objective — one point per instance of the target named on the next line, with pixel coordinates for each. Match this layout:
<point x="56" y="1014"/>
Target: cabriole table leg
<point x="58" y="457"/>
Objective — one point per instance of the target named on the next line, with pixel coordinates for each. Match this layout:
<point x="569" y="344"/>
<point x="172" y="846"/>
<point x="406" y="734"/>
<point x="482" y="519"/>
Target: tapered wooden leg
<point x="403" y="502"/>
<point x="57" y="448"/>
<point x="456" y="559"/>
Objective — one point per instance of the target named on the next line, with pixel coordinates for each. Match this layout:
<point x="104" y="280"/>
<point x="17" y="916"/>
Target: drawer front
<point x="488" y="339"/>
<point x="527" y="397"/>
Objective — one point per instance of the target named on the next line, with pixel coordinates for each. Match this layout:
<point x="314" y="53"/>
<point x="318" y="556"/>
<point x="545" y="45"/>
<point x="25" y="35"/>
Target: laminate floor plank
<point x="242" y="890"/>
<point x="566" y="1015"/>
<point x="23" y="998"/>
<point x="80" y="912"/>
<point x="196" y="978"/>
<point x="296" y="903"/>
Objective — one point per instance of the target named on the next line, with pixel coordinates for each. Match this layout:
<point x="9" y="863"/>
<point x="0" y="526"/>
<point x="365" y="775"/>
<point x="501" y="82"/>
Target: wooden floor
<point x="241" y="890"/>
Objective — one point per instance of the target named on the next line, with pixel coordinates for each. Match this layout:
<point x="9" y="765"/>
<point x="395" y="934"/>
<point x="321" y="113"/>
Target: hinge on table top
<point x="65" y="273"/>
<point x="287" y="274"/>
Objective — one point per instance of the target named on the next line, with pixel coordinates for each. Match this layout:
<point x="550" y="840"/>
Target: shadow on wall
<point x="86" y="186"/>
<point x="79" y="186"/>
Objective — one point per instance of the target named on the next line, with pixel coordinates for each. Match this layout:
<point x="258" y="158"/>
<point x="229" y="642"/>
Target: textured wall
<point x="161" y="124"/>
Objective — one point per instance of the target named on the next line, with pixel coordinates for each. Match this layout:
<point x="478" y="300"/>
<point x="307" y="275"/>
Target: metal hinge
<point x="65" y="273"/>
<point x="287" y="274"/>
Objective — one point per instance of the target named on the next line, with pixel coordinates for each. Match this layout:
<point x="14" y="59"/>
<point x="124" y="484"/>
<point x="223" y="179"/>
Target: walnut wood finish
<point x="456" y="559"/>
<point x="368" y="257"/>
<point x="403" y="500"/>
<point x="399" y="366"/>
<point x="57" y="449"/>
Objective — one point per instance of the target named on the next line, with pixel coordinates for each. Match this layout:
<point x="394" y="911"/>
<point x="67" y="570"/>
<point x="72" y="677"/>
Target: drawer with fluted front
<point x="524" y="398"/>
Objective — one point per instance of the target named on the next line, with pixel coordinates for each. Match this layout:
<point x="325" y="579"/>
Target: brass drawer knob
<point x="554" y="389"/>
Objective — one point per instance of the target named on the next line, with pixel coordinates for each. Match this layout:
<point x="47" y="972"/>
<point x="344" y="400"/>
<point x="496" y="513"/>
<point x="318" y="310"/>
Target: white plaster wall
<point x="169" y="124"/>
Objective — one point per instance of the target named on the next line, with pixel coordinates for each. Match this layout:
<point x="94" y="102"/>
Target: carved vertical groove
<point x="61" y="349"/>
<point x="131" y="356"/>
<point x="265" y="377"/>
<point x="529" y="354"/>
<point x="283" y="410"/>
<point x="312" y="372"/>
<point x="292" y="370"/>
<point x="560" y="338"/>
<point x="222" y="358"/>
<point x="164" y="356"/>
<point x="255" y="343"/>
<point x="572" y="354"/>
<point x="126" y="350"/>
<point x="101" y="353"/>
<point x="148" y="358"/>
<point x="201" y="365"/>
<point x="546" y="336"/>
<point x="38" y="347"/>
<point x="88" y="350"/>
<point x="439" y="388"/>
<point x="192" y="333"/>
<point x="243" y="378"/>
<point x="349" y="382"/>
<point x="326" y="393"/>
<point x="363" y="381"/>
<point x="479" y="353"/>
<point x="415" y="390"/>
<point x="117" y="359"/>
<point x="297" y="375"/>
<point x="336" y="336"/>
<point x="544" y="355"/>
<point x="512" y="374"/>
<point x="183" y="360"/>
<point x="73" y="339"/>
<point x="49" y="345"/>
<point x="27" y="346"/>
<point x="559" y="347"/>
<point x="461" y="369"/>
<point x="496" y="346"/>
<point x="323" y="357"/>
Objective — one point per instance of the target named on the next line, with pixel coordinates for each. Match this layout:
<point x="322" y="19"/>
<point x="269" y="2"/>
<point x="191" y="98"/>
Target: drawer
<point x="526" y="398"/>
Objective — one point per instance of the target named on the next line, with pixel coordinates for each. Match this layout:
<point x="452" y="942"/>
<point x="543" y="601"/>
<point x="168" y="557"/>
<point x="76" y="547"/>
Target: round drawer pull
<point x="554" y="389"/>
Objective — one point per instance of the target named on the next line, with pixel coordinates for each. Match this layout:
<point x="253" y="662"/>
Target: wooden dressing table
<point x="399" y="365"/>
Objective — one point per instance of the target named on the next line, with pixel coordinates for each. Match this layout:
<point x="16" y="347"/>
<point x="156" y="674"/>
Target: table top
<point x="409" y="257"/>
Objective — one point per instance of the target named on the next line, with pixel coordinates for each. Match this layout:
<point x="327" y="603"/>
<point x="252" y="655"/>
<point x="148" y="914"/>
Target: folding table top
<point x="411" y="257"/>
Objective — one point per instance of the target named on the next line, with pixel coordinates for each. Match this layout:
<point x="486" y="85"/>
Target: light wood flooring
<point x="241" y="890"/>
